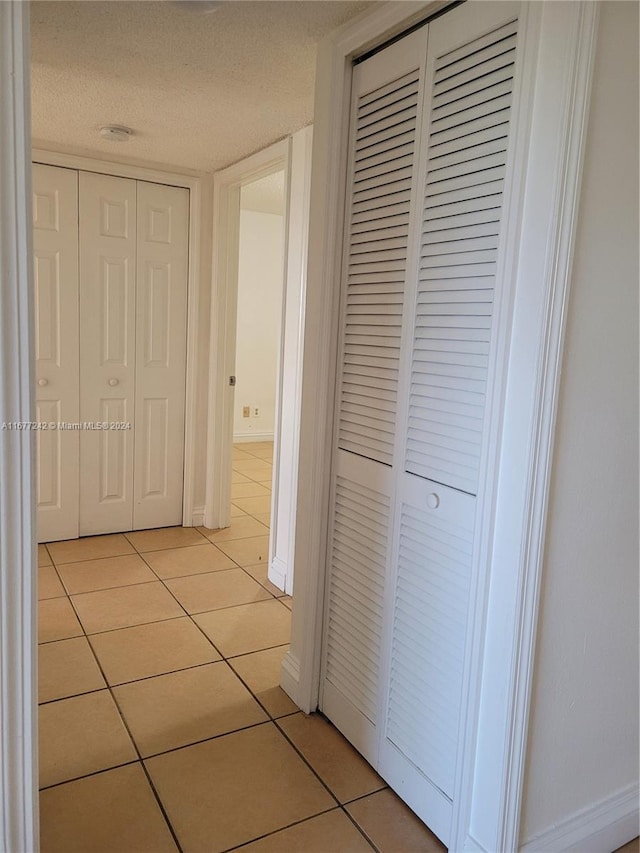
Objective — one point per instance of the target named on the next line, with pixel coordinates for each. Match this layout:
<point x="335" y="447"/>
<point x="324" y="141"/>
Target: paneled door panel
<point x="161" y="327"/>
<point x="108" y="233"/>
<point x="55" y="238"/>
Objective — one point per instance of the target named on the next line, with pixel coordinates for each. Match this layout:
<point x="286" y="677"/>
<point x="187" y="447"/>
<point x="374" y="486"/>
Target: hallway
<point x="162" y="725"/>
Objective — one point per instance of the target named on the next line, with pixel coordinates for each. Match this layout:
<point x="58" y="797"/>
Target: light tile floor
<point x="162" y="725"/>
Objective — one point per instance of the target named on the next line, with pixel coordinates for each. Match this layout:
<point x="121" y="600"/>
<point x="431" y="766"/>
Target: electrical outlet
<point x="246" y="411"/>
<point x="256" y="412"/>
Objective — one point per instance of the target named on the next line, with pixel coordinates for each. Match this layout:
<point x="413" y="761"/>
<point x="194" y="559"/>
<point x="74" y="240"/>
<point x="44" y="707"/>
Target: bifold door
<point x="111" y="299"/>
<point x="429" y="157"/>
<point x="55" y="268"/>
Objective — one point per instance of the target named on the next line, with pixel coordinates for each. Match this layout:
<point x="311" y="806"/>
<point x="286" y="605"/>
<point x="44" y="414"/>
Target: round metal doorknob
<point x="43" y="382"/>
<point x="433" y="501"/>
<point x="113" y="382"/>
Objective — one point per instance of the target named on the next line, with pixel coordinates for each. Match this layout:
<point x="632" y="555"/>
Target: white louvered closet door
<point x="469" y="89"/>
<point x="382" y="196"/>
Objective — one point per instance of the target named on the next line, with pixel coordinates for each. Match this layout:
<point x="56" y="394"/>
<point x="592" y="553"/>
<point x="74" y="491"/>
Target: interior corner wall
<point x="260" y="276"/>
<point x="583" y="734"/>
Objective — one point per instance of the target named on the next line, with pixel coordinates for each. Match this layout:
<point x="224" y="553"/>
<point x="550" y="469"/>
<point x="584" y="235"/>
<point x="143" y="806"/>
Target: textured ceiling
<point x="200" y="91"/>
<point x="266" y="195"/>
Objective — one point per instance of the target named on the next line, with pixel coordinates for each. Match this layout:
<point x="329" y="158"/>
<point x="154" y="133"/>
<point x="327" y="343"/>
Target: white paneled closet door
<point x="399" y="593"/>
<point x="55" y="239"/>
<point x="133" y="309"/>
<point x="386" y="102"/>
<point x="161" y="345"/>
<point x="108" y="226"/>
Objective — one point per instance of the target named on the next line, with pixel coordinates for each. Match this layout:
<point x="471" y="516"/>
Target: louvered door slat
<point x="381" y="176"/>
<point x="467" y="256"/>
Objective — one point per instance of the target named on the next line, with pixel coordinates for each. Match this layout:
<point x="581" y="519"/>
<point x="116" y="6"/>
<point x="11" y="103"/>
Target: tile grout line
<point x="282" y="829"/>
<point x="129" y="735"/>
<point x="133" y="743"/>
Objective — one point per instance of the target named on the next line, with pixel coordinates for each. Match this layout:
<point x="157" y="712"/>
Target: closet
<point x="110" y="276"/>
<point x="428" y="169"/>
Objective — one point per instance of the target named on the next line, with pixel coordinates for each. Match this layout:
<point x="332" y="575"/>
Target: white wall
<point x="258" y="328"/>
<point x="583" y="737"/>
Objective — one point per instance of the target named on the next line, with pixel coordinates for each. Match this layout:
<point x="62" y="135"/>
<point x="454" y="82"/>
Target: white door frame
<point x="227" y="185"/>
<point x="293" y="155"/>
<point x="18" y="613"/>
<point x="558" y="54"/>
<point x="190" y="514"/>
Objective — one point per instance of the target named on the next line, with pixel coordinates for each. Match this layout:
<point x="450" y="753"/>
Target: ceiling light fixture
<point x="116" y="133"/>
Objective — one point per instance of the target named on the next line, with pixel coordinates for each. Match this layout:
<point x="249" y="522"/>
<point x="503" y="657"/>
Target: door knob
<point x="433" y="501"/>
<point x="113" y="382"/>
<point x="43" y="382"/>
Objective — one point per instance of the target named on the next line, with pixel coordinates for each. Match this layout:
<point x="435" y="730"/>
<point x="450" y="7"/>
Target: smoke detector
<point x="116" y="133"/>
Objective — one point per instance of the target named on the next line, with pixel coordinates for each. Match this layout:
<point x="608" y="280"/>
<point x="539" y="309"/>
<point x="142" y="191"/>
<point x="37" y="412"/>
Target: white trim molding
<point x="557" y="53"/>
<point x="193" y="184"/>
<point x="18" y="681"/>
<point x="607" y="825"/>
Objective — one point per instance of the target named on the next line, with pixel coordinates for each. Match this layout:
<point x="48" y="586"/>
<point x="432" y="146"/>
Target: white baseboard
<point x="290" y="676"/>
<point x="277" y="573"/>
<point x="247" y="437"/>
<point x="601" y="828"/>
<point x="197" y="516"/>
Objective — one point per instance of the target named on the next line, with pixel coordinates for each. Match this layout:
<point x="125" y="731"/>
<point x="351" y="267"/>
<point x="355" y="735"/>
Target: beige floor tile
<point x="264" y="517"/>
<point x="255" y="447"/>
<point x="236" y="512"/>
<point x="81" y="735"/>
<point x="184" y="707"/>
<point x="165" y="537"/>
<point x="287" y="600"/>
<point x="109" y="609"/>
<point x="260" y="671"/>
<point x="247" y="628"/>
<point x="259" y="573"/>
<point x="111" y="811"/>
<point x="630" y="847"/>
<point x="247" y="552"/>
<point x="153" y="649"/>
<point x="106" y="573"/>
<point x="341" y="768"/>
<point x="240" y="528"/>
<point x="239" y="455"/>
<point x="253" y="505"/>
<point x="57" y="620"/>
<point x="192" y="560"/>
<point x="327" y="833"/>
<point x="392" y="826"/>
<point x="67" y="668"/>
<point x="199" y="593"/>
<point x="237" y="477"/>
<point x="236" y="788"/>
<point x="257" y="474"/>
<point x="49" y="585"/>
<point x="43" y="556"/>
<point x="266" y="484"/>
<point x="252" y="464"/>
<point x="248" y="490"/>
<point x="89" y="548"/>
